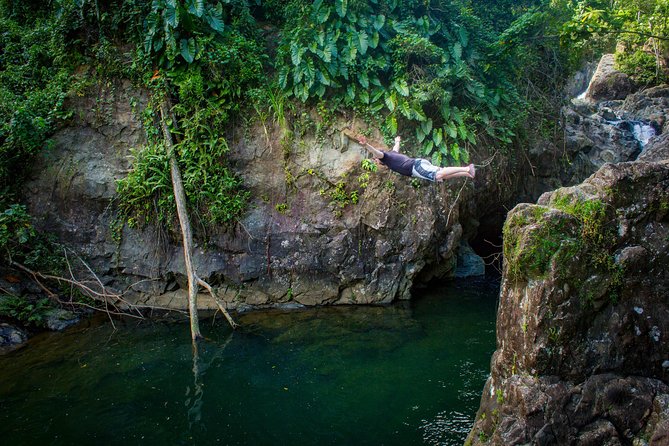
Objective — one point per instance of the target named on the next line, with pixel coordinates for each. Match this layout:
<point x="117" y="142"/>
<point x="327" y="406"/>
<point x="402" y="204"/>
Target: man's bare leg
<point x="396" y="147"/>
<point x="446" y="173"/>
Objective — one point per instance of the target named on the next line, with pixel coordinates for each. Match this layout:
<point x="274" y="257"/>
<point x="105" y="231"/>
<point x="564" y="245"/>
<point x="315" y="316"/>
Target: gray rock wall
<point x="294" y="246"/>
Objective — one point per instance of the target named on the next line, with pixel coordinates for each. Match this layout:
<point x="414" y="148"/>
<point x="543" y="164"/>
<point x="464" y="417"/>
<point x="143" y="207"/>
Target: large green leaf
<point x="196" y="7"/>
<point x="363" y="79"/>
<point x="420" y="134"/>
<point x="451" y="129"/>
<point x="157" y="44"/>
<point x="350" y="92"/>
<point x="379" y="21"/>
<point x="363" y="42"/>
<point x="341" y="6"/>
<point x="391" y="101"/>
<point x="455" y="152"/>
<point x="283" y="78"/>
<point x="376" y="106"/>
<point x="428" y="146"/>
<point x="323" y="78"/>
<point x="405" y="108"/>
<point x="464" y="37"/>
<point x="375" y="40"/>
<point x="323" y="15"/>
<point x="295" y="54"/>
<point x="462" y="131"/>
<point x="391" y="124"/>
<point x="437" y="136"/>
<point x="401" y="87"/>
<point x="171" y="15"/>
<point x="377" y="94"/>
<point x="148" y="42"/>
<point x="310" y="71"/>
<point x="457" y="51"/>
<point x="426" y="126"/>
<point x="188" y="49"/>
<point x="214" y="19"/>
<point x="364" y="96"/>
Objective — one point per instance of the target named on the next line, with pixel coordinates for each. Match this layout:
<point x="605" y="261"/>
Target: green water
<point x="407" y="374"/>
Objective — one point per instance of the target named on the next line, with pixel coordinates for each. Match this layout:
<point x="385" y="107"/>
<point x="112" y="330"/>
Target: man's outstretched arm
<point x="376" y="153"/>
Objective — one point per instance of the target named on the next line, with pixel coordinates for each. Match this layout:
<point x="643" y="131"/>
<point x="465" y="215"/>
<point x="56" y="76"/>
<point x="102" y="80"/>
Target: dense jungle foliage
<point x="446" y="74"/>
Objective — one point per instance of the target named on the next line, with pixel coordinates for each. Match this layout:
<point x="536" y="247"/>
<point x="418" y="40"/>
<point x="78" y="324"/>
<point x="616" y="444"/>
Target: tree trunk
<point x="184" y="222"/>
<point x="186" y="233"/>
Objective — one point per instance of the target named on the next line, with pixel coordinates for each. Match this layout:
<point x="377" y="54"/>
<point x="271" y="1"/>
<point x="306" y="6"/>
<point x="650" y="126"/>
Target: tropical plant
<point x="412" y="65"/>
<point x="638" y="28"/>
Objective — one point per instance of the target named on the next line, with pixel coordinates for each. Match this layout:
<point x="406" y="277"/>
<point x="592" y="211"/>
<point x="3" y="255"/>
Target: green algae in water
<point x="405" y="374"/>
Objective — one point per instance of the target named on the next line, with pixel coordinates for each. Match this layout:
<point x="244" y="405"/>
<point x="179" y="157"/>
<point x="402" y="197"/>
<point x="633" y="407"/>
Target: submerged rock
<point x="469" y="263"/>
<point x="59" y="319"/>
<point x="582" y="322"/>
<point x="11" y="338"/>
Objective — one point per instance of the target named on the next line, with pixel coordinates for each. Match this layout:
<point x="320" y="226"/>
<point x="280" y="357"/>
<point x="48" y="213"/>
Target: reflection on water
<point x="399" y="375"/>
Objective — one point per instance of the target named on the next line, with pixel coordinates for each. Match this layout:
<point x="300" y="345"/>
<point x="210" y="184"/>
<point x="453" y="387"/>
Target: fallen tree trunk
<point x="186" y="233"/>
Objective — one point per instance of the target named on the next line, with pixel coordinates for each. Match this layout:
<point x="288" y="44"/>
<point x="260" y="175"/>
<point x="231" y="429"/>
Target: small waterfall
<point x="642" y="132"/>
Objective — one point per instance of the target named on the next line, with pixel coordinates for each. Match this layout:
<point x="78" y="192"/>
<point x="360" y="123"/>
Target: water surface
<point x="406" y="374"/>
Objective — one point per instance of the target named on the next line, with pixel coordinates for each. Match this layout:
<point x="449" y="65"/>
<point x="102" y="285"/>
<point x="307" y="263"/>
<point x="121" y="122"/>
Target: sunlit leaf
<point x="391" y="102"/>
<point x="391" y="124"/>
<point x="402" y="87"/>
<point x="295" y="55"/>
<point x="437" y="136"/>
<point x="323" y="15"/>
<point x="451" y="129"/>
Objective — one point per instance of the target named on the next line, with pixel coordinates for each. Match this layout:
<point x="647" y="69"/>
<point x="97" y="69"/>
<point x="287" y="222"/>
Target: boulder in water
<point x="469" y="264"/>
<point x="11" y="338"/>
<point x="59" y="319"/>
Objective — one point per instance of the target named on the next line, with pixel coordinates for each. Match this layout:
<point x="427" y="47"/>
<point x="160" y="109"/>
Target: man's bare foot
<point x="472" y="171"/>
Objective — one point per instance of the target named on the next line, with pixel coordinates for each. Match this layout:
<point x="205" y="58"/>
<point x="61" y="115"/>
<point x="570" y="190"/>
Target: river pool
<point x="405" y="374"/>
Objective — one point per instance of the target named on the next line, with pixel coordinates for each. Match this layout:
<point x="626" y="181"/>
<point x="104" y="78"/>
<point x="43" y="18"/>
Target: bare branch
<point x="220" y="305"/>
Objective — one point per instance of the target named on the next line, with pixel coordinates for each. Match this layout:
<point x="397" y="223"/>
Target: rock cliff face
<point x="302" y="242"/>
<point x="582" y="357"/>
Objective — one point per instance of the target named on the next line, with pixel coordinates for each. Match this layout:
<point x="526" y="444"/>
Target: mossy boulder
<point x="584" y="303"/>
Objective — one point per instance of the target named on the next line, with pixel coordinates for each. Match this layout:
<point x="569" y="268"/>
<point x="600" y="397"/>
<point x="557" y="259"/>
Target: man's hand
<point x="362" y="141"/>
<point x="398" y="138"/>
